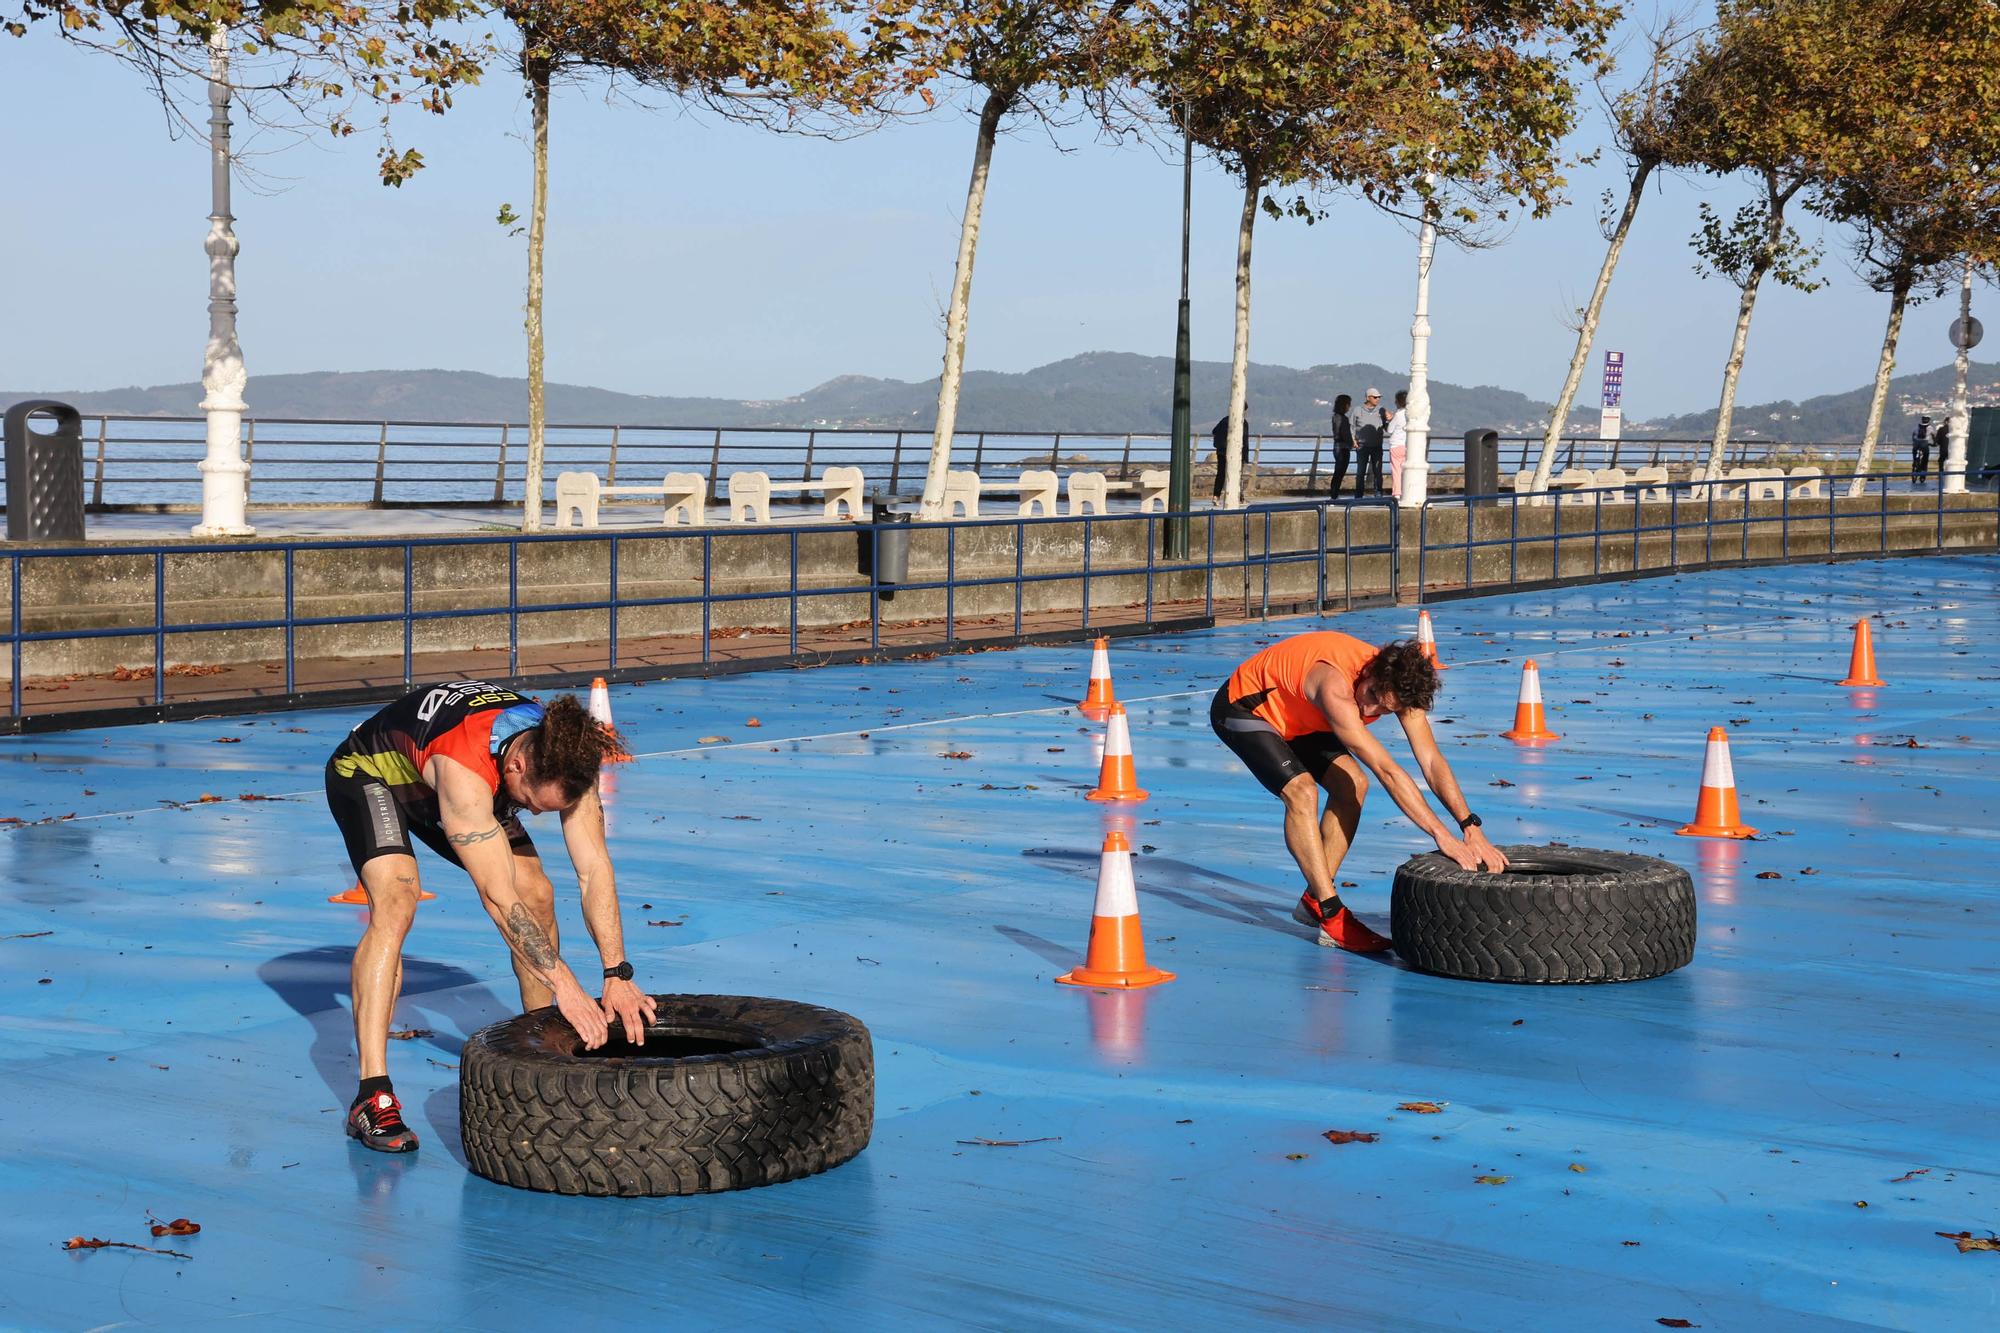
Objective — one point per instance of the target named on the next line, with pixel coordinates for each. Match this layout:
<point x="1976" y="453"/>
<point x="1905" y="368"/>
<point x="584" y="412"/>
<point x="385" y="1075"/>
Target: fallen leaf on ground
<point x="664" y="923"/>
<point x="1808" y="871"/>
<point x="1967" y="1242"/>
<point x="710" y="740"/>
<point x="1008" y="1143"/>
<point x="1499" y="782"/>
<point x="1632" y="1243"/>
<point x="207" y="799"/>
<point x="1579" y="1168"/>
<point x="253" y="796"/>
<point x="1911" y="1175"/>
<point x="1055" y="749"/>
<point x="752" y="722"/>
<point x="229" y="740"/>
<point x="1769" y="874"/>
<point x="1676" y="1323"/>
<point x="1492" y="1180"/>
<point x="1349" y="1136"/>
<point x="955" y="754"/>
<point x="92" y="1243"/>
<point x="1422" y="1108"/>
<point x="180" y="1226"/>
<point x="1295" y="1157"/>
<point x="410" y="1034"/>
<point x="28" y="935"/>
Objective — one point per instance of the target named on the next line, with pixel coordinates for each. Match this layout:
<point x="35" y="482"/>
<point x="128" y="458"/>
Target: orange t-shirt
<point x="1279" y="674"/>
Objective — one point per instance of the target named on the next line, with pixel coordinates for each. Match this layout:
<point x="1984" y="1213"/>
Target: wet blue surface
<point x="191" y="1049"/>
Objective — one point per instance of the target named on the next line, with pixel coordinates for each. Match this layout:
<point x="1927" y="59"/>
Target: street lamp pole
<point x="224" y="474"/>
<point x="1180" y="477"/>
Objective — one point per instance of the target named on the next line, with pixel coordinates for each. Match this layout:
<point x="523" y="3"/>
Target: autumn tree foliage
<point x="294" y="63"/>
<point x="1450" y="112"/>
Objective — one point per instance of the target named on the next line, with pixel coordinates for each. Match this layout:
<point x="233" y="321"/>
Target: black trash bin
<point x="1482" y="463"/>
<point x="44" y="472"/>
<point x="890" y="561"/>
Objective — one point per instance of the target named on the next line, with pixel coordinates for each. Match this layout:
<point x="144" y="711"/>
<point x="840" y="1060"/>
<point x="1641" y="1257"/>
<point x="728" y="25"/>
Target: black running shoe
<point x="378" y="1122"/>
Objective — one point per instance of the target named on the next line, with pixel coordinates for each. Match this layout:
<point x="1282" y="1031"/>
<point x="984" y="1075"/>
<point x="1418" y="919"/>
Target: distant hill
<point x="1099" y="391"/>
<point x="1835" y="416"/>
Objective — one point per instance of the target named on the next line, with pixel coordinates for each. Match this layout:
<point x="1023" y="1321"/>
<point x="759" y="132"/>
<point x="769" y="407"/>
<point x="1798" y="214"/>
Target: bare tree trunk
<point x="1586" y="336"/>
<point x="1885" y="366"/>
<point x="961" y="296"/>
<point x="538" y="215"/>
<point x="1732" y="371"/>
<point x="1239" y="361"/>
<point x="1952" y="465"/>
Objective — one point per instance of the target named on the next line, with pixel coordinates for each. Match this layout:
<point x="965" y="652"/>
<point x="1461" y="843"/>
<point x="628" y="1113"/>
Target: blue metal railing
<point x="909" y="635"/>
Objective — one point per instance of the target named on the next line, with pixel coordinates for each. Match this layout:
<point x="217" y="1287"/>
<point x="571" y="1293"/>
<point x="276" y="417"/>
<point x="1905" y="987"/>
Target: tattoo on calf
<point x="467" y="839"/>
<point x="529" y="938"/>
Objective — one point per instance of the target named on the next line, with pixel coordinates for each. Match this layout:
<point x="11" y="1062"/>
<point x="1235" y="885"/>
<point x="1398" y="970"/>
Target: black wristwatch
<point x="1471" y="820"/>
<point x="622" y="972"/>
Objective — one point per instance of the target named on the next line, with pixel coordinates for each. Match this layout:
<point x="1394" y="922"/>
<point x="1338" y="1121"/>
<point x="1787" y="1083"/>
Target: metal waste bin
<point x="44" y="473"/>
<point x="1982" y="449"/>
<point x="1482" y="462"/>
<point x="890" y="562"/>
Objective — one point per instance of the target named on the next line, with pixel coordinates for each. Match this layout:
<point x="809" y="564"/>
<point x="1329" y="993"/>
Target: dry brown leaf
<point x="1675" y="1323"/>
<point x="1499" y="782"/>
<point x="207" y="798"/>
<point x="1967" y="1242"/>
<point x="752" y="722"/>
<point x="1295" y="1157"/>
<point x="229" y="740"/>
<point x="664" y="923"/>
<point x="955" y="754"/>
<point x="92" y="1243"/>
<point x="1349" y="1136"/>
<point x="1579" y="1168"/>
<point x="409" y="1034"/>
<point x="710" y="740"/>
<point x="180" y="1226"/>
<point x="1769" y="874"/>
<point x="1911" y="1175"/>
<point x="1422" y="1108"/>
<point x="1492" y="1180"/>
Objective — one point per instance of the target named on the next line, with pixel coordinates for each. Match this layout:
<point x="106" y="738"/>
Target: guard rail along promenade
<point x="148" y="463"/>
<point x="122" y="632"/>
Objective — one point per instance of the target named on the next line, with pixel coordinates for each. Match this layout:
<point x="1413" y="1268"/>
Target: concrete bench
<point x="1573" y="480"/>
<point x="1652" y="484"/>
<point x="750" y="493"/>
<point x="1612" y="481"/>
<point x="1759" y="483"/>
<point x="1094" y="489"/>
<point x="681" y="493"/>
<point x="963" y="489"/>
<point x="1807" y="483"/>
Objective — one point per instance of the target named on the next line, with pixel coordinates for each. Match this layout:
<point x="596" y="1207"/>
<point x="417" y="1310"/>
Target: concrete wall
<point x="1267" y="557"/>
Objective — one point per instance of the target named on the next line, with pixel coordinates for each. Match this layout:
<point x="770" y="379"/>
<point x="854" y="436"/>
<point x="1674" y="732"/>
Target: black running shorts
<point x="1271" y="759"/>
<point x="376" y="821"/>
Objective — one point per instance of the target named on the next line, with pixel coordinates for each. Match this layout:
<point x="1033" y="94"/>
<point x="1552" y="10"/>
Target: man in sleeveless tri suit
<point x="456" y="764"/>
<point x="1297" y="714"/>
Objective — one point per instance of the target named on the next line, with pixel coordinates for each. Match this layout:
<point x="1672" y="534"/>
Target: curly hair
<point x="1405" y="671"/>
<point x="570" y="746"/>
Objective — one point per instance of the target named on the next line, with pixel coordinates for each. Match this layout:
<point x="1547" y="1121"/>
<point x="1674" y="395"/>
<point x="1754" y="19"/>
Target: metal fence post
<point x="159" y="628"/>
<point x="1055" y="447"/>
<point x="714" y="465"/>
<point x="896" y="467"/>
<point x="611" y="626"/>
<point x="499" y="473"/>
<point x="291" y="630"/>
<point x="382" y="459"/>
<point x="249" y="456"/>
<point x="806" y="473"/>
<point x="1312" y="473"/>
<point x="14" y="648"/>
<point x="979" y="451"/>
<point x="612" y="472"/>
<point x="410" y="613"/>
<point x="97" y="485"/>
<point x="1125" y="462"/>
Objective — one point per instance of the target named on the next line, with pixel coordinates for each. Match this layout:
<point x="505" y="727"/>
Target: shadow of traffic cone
<point x="1715" y="812"/>
<point x="1427" y="639"/>
<point x="1116" y="779"/>
<point x="1098" y="700"/>
<point x="358" y="896"/>
<point x="1861" y="665"/>
<point x="1530" y="726"/>
<point x="1117" y="953"/>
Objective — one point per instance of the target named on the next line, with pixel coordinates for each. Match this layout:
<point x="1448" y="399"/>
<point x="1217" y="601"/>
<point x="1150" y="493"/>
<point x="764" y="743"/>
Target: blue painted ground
<point x="1697" y="1147"/>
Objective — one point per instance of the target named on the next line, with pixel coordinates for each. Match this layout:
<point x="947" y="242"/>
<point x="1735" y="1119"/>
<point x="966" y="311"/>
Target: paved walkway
<point x="909" y="843"/>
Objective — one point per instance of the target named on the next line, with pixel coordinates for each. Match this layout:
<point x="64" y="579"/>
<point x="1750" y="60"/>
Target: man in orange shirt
<point x="1297" y="714"/>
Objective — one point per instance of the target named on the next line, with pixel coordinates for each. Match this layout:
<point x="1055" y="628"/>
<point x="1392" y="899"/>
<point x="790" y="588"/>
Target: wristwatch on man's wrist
<point x="622" y="972"/>
<point x="1471" y="820"/>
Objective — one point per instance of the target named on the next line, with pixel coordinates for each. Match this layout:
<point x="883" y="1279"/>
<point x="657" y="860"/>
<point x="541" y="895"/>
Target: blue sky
<point x="691" y="256"/>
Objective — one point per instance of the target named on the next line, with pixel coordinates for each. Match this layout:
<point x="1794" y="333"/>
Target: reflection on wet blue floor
<point x="1698" y="1147"/>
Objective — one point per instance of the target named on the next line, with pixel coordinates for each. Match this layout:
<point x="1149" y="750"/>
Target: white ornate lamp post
<point x="224" y="474"/>
<point x="1417" y="419"/>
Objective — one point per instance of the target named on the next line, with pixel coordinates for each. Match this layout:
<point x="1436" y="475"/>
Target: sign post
<point x="1611" y="421"/>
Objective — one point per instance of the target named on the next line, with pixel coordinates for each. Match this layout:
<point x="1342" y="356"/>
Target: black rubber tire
<point x="1560" y="915"/>
<point x="537" y="1112"/>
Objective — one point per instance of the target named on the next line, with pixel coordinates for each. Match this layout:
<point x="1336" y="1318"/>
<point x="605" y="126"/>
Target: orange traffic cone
<point x="1117" y="955"/>
<point x="1098" y="701"/>
<point x="1116" y="779"/>
<point x="1861" y="665"/>
<point x="1530" y="726"/>
<point x="358" y="896"/>
<point x="1715" y="812"/>
<point x="600" y="701"/>
<point x="1427" y="639"/>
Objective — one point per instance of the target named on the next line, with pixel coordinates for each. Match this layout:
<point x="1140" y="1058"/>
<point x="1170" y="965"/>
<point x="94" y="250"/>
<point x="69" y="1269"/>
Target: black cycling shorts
<point x="375" y="822"/>
<point x="1271" y="759"/>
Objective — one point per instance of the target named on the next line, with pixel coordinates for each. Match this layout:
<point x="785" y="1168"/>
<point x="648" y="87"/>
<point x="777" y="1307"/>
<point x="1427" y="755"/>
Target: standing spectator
<point x="1343" y="442"/>
<point x="1397" y="433"/>
<point x="1941" y="438"/>
<point x="1369" y="419"/>
<point x="1920" y="450"/>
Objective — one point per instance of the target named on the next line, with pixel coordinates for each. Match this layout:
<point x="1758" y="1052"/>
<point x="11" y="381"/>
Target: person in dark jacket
<point x="1941" y="441"/>
<point x="1368" y="423"/>
<point x="1920" y="450"/>
<point x="1343" y="442"/>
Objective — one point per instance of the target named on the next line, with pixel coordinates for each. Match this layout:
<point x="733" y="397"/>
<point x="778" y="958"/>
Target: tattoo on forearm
<point x="530" y="939"/>
<point x="467" y="839"/>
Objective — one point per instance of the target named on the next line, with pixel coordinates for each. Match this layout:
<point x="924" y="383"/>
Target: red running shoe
<point x="378" y="1122"/>
<point x="1342" y="930"/>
